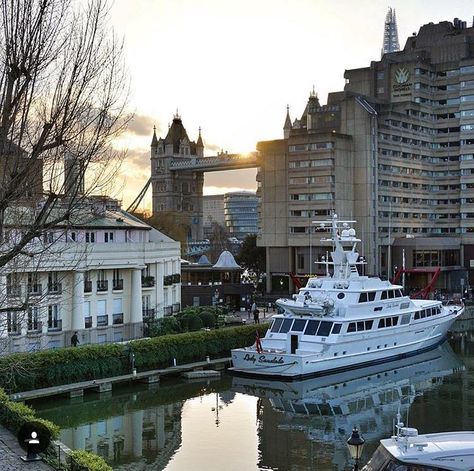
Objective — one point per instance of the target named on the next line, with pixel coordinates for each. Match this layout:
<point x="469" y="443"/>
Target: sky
<point x="232" y="66"/>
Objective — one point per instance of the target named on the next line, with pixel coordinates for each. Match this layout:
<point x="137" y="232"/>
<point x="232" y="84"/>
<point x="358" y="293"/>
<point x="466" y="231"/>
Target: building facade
<point x="213" y="212"/>
<point x="393" y="151"/>
<point x="241" y="213"/>
<point x="102" y="276"/>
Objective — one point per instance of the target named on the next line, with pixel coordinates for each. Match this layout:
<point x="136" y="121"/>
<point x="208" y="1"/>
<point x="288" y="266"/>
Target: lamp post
<point x="355" y="443"/>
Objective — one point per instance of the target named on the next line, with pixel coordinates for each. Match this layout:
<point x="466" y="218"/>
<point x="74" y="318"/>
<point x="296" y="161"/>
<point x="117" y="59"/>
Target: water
<point x="244" y="424"/>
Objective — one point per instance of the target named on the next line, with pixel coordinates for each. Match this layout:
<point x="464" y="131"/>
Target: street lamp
<point x="355" y="443"/>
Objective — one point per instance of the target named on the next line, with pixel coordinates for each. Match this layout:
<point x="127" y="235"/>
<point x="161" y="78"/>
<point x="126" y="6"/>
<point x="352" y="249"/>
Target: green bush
<point x="164" y="326"/>
<point x="14" y="414"/>
<point x="92" y="462"/>
<point x="48" y="368"/>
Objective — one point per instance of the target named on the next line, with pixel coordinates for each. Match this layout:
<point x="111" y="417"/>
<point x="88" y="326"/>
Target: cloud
<point x="142" y="125"/>
<point x="210" y="146"/>
<point x="137" y="160"/>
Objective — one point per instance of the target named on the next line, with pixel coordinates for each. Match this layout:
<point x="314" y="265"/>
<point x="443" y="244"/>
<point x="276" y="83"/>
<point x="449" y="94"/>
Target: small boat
<point x="344" y="321"/>
<point x="409" y="451"/>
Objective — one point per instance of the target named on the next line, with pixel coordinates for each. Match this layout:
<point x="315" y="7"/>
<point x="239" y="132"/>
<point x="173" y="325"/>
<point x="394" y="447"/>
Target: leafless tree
<point x="63" y="93"/>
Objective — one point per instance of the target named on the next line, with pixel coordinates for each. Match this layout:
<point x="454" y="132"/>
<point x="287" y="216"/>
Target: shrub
<point x="81" y="458"/>
<point x="14" y="414"/>
<point x="70" y="365"/>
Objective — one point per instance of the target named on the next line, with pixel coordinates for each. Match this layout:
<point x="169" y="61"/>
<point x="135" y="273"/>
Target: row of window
<point x="325" y="328"/>
<point x="415" y="186"/>
<point x="311" y="196"/>
<point x="308" y="327"/>
<point x="427" y="313"/>
<point x="306" y="180"/>
<point x="465" y="69"/>
<point x="309" y="147"/>
<point x="423" y="158"/>
<point x="424" y="201"/>
<point x="425" y="230"/>
<point x="419" y="172"/>
<point x="310" y="163"/>
<point x="417" y="215"/>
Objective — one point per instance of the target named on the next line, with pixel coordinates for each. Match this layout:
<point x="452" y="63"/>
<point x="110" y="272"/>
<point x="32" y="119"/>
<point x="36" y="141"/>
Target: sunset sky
<point x="232" y="66"/>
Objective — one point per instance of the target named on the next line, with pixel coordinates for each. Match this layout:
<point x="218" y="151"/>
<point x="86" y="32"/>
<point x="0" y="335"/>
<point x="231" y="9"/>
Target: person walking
<point x="74" y="340"/>
<point x="256" y="317"/>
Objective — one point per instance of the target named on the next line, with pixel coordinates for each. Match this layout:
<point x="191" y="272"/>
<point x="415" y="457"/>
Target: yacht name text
<point x="264" y="359"/>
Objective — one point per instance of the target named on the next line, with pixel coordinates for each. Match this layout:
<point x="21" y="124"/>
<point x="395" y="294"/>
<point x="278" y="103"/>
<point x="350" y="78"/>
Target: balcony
<point x="34" y="288"/>
<point x="168" y="280"/>
<point x="148" y="314"/>
<point x="13" y="290"/>
<point x="88" y="286"/>
<point x="55" y="325"/>
<point x="88" y="322"/>
<point x="168" y="310"/>
<point x="102" y="285"/>
<point x="117" y="318"/>
<point x="148" y="281"/>
<point x="117" y="285"/>
<point x="102" y="321"/>
<point x="55" y="288"/>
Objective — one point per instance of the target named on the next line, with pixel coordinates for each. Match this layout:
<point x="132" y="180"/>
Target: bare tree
<point x="63" y="92"/>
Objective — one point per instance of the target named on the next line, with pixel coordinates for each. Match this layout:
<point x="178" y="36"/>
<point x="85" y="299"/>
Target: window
<point x="311" y="327"/>
<point x="324" y="328"/>
<point x="381" y="323"/>
<point x="277" y="324"/>
<point x="54" y="320"/>
<point x="286" y="326"/>
<point x="405" y="319"/>
<point x="109" y="237"/>
<point x="363" y="298"/>
<point x="384" y="295"/>
<point x="298" y="325"/>
<point x="336" y="328"/>
<point x="300" y="263"/>
<point x="371" y="296"/>
<point x="90" y="237"/>
<point x="351" y="327"/>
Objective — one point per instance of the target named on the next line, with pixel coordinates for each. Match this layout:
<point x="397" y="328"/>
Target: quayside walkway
<point x="105" y="384"/>
<point x="10" y="453"/>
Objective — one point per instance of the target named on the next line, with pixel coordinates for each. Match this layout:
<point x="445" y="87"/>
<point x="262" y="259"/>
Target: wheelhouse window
<point x="286" y="326"/>
<point x="298" y="325"/>
<point x="311" y="327"/>
<point x="276" y="325"/>
<point x="324" y="328"/>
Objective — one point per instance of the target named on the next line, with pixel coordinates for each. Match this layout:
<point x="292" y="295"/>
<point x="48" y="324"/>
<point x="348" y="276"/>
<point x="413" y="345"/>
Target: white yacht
<point x="407" y="451"/>
<point x="344" y="321"/>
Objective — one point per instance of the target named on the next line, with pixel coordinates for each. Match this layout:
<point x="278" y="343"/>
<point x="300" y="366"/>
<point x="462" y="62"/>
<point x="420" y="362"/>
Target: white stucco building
<point x="103" y="276"/>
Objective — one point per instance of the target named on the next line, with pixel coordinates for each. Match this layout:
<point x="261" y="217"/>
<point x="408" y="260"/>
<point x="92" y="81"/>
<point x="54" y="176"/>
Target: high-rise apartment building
<point x="395" y="151"/>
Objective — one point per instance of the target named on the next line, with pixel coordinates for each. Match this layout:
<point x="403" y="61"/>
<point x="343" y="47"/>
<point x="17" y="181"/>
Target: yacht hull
<point x="248" y="362"/>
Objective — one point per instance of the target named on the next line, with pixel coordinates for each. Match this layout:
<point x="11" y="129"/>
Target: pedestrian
<point x="253" y="308"/>
<point x="74" y="340"/>
<point x="256" y="318"/>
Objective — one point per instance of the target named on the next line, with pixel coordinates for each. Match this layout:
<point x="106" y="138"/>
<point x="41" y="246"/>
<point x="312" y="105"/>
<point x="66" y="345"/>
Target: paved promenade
<point x="10" y="453"/>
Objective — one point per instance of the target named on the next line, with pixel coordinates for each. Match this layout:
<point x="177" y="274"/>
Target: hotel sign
<point x="401" y="83"/>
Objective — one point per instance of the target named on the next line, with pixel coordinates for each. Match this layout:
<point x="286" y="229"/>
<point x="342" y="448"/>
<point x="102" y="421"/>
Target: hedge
<point x="14" y="414"/>
<point x="81" y="458"/>
<point x="34" y="370"/>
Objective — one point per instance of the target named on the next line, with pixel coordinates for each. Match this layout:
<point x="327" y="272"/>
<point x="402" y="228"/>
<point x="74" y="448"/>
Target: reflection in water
<point x="246" y="424"/>
<point x="317" y="415"/>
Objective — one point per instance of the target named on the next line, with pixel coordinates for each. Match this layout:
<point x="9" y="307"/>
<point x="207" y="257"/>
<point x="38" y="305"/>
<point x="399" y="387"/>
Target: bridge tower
<point x="174" y="190"/>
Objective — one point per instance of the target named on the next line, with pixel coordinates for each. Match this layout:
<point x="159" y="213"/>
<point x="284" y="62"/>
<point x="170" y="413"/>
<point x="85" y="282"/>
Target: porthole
<point x="341" y="295"/>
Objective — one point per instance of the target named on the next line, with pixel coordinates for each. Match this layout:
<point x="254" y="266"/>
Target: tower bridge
<point x="177" y="175"/>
